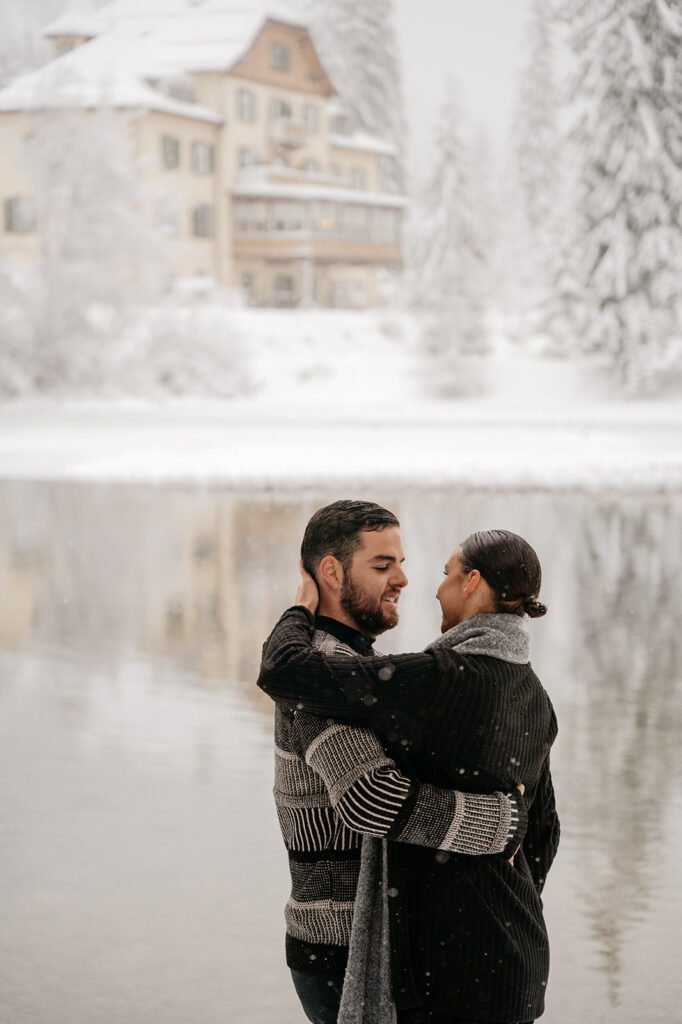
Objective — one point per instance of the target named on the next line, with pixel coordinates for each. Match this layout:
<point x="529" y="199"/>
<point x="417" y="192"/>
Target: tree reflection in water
<point x="627" y="753"/>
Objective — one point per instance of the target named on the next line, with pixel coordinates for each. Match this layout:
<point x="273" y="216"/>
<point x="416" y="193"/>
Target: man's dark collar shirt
<point x="346" y="634"/>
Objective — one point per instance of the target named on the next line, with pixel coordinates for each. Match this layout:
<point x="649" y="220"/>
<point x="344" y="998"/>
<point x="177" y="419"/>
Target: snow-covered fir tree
<point x="97" y="256"/>
<point x="446" y="262"/>
<point x="358" y="47"/>
<point x="532" y="251"/>
<point x="21" y="46"/>
<point x="628" y="212"/>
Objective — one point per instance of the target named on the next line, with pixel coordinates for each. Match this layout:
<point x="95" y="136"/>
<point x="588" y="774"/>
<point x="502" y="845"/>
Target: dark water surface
<point x="142" y="876"/>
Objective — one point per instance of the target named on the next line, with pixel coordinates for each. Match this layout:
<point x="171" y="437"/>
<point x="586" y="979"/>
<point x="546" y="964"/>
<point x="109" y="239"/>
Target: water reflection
<point x="627" y="737"/>
<point x="132" y="619"/>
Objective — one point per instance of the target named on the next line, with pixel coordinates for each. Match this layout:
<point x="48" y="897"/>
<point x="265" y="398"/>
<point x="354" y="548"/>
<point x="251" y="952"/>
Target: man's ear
<point x="330" y="573"/>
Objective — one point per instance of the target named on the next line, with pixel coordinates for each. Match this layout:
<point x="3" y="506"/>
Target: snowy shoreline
<point x="596" y="447"/>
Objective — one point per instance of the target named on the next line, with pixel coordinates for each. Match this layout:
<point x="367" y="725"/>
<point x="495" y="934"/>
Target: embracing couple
<point x="413" y="791"/>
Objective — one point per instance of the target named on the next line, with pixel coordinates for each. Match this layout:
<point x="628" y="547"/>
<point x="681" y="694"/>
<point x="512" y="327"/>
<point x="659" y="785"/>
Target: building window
<point x="202" y="221"/>
<point x="241" y="216"/>
<point x="337" y="294"/>
<point x="246" y="105"/>
<point x="247" y="157"/>
<point x="311" y="118"/>
<point x="280" y="57"/>
<point x="385" y="226"/>
<point x="335" y="171"/>
<point x="312" y="166"/>
<point x="280" y="108"/>
<point x="287" y="215"/>
<point x="357" y="178"/>
<point x="20" y="215"/>
<point x="250" y="216"/>
<point x="325" y="218"/>
<point x="248" y="286"/>
<point x="202" y="158"/>
<point x="168" y="217"/>
<point x="170" y="152"/>
<point x="356" y="222"/>
<point x="356" y="296"/>
<point x="284" y="290"/>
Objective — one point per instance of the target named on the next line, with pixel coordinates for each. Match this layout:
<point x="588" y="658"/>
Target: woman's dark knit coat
<point x="468" y="937"/>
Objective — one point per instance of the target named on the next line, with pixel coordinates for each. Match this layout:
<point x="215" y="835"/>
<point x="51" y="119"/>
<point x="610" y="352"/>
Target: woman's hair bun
<point x="534" y="608"/>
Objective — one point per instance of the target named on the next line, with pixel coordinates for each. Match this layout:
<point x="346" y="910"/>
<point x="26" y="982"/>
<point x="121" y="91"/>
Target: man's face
<point x="372" y="584"/>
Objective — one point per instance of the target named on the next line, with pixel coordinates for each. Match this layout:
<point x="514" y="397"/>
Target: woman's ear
<point x="472" y="583"/>
<point x="330" y="573"/>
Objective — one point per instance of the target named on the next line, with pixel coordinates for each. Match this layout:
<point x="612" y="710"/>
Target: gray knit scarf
<point x="367" y="996"/>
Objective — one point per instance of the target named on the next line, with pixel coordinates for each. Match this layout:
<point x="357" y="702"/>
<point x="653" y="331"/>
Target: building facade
<point x="239" y="138"/>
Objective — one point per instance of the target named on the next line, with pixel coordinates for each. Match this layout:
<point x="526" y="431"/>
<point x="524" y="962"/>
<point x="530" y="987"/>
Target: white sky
<point x="479" y="42"/>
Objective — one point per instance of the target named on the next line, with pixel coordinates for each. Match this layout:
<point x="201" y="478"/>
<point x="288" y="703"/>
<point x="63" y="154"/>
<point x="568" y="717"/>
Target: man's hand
<point x="307" y="594"/>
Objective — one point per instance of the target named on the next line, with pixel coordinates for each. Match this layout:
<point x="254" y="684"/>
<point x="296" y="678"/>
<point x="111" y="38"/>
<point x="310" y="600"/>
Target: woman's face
<point x="451" y="591"/>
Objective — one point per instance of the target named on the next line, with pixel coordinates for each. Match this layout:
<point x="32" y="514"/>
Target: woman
<point x="468" y="939"/>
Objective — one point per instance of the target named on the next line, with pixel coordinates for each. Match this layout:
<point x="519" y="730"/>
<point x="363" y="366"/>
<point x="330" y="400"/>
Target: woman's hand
<point x="522" y="789"/>
<point x="307" y="594"/>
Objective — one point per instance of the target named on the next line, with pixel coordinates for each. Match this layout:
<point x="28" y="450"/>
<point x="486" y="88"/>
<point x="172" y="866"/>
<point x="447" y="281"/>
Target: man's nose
<point x="400" y="579"/>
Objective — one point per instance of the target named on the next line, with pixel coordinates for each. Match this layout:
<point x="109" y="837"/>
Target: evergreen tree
<point x="98" y="257"/>
<point x="357" y="44"/>
<point x="628" y="216"/>
<point x="447" y="262"/>
<point x="533" y="207"/>
<point x="21" y="46"/>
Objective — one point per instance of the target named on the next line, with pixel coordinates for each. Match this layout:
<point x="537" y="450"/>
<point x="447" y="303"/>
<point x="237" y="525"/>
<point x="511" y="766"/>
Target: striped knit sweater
<point x="468" y="938"/>
<point x="334" y="783"/>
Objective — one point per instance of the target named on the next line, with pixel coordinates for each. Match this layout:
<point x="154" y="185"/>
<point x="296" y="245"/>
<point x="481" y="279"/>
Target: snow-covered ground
<point x="345" y="397"/>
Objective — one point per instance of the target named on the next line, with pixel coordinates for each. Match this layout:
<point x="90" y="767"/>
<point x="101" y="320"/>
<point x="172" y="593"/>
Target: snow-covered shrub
<point x="16" y="335"/>
<point x="452" y="369"/>
<point x="181" y="349"/>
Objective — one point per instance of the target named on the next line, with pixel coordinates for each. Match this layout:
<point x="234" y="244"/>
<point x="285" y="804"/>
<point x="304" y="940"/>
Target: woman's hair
<point x="510" y="567"/>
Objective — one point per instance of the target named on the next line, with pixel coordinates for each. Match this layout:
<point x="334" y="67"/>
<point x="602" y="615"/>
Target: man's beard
<point x="367" y="613"/>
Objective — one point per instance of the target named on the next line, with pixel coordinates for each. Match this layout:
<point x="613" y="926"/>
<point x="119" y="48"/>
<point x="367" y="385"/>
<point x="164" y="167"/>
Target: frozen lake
<point x="142" y="876"/>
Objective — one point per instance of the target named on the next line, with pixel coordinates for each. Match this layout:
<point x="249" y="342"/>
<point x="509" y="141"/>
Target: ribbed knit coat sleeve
<point x="382" y="692"/>
<point x="373" y="797"/>
<point x="542" y="838"/>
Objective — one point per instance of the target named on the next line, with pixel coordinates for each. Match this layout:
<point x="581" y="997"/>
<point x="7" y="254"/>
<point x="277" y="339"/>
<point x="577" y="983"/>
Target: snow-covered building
<point x="239" y="138"/>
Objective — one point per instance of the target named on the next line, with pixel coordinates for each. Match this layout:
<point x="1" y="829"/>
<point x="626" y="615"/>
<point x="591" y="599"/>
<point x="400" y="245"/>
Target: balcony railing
<point x="289" y="132"/>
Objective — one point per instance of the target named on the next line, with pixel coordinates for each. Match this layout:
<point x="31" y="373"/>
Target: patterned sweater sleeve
<point x="372" y="796"/>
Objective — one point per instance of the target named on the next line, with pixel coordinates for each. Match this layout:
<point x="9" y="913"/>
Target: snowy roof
<point x="137" y="42"/>
<point x="111" y="70"/>
<point x="191" y="36"/>
<point x="363" y="141"/>
<point x="77" y="20"/>
<point x="275" y="190"/>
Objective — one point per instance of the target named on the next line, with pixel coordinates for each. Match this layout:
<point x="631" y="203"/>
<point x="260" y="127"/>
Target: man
<point x="335" y="783"/>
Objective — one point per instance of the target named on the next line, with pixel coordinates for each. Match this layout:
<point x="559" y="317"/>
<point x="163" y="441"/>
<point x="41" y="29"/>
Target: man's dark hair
<point x="336" y="528"/>
<point x="510" y="567"/>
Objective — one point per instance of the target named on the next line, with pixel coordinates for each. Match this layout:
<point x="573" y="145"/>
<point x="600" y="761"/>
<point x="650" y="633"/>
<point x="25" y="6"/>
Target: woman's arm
<point x="542" y="838"/>
<point x="383" y="692"/>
